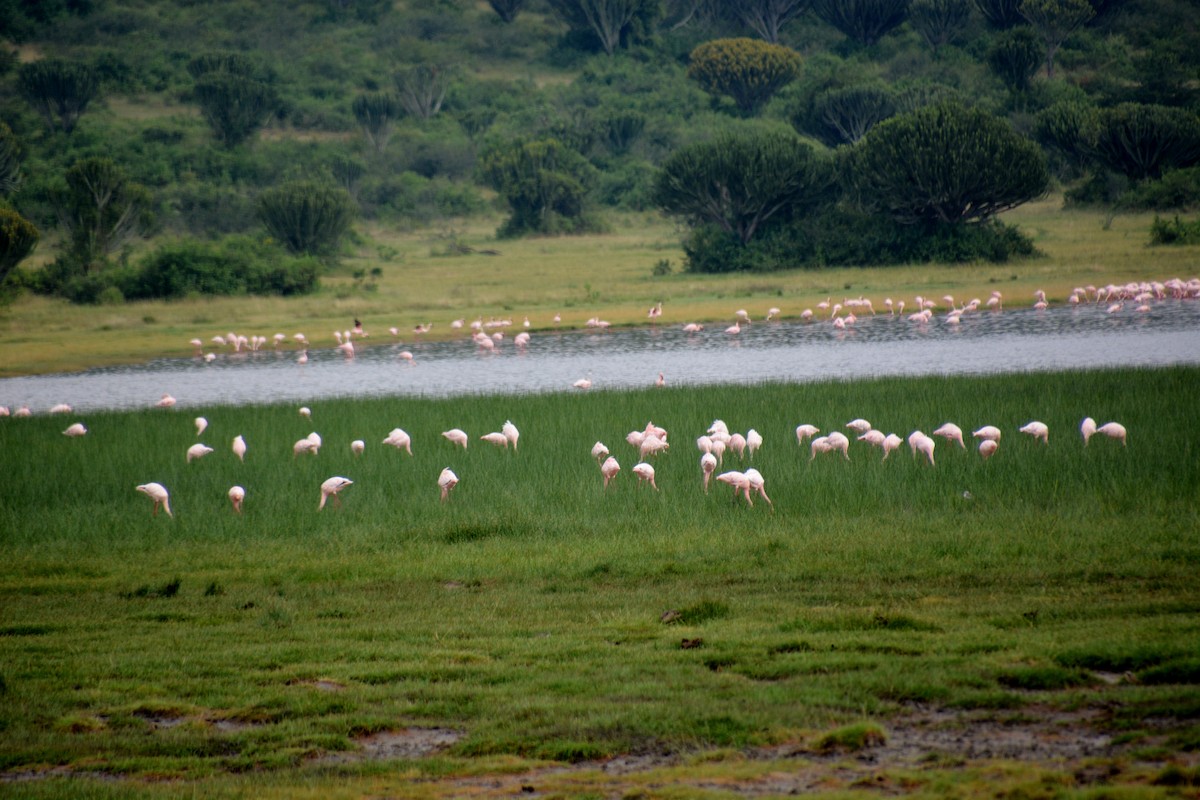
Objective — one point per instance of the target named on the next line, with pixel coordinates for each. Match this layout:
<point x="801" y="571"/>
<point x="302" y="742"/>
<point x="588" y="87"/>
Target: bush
<point x="1179" y="188"/>
<point x="1174" y="231"/>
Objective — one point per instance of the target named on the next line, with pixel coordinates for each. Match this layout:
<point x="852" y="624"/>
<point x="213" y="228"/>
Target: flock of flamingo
<point x="649" y="442"/>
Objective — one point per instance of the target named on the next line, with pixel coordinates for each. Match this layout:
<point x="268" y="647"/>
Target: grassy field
<point x="1050" y="589"/>
<point x="579" y="277"/>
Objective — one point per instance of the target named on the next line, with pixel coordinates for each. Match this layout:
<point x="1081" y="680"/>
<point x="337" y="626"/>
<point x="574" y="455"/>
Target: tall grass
<point x="526" y="612"/>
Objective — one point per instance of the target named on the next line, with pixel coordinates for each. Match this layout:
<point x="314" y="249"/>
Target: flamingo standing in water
<point x="158" y="493"/>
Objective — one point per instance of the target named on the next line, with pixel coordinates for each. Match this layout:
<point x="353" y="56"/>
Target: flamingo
<point x="772" y="313"/>
<point x="447" y="481"/>
<point x="742" y="316"/>
<point x="166" y="402"/>
<point x="197" y="451"/>
<point x="304" y="446"/>
<point x="988" y="448"/>
<point x="737" y="443"/>
<point x="913" y="438"/>
<point x="358" y="446"/>
<point x="951" y="432"/>
<point x="599" y="450"/>
<point x="511" y="433"/>
<point x="405" y="355"/>
<point x="708" y="465"/>
<point x="158" y="493"/>
<point x="303" y="358"/>
<point x="583" y="383"/>
<point x="23" y="411"/>
<point x="1038" y="430"/>
<point x="838" y="441"/>
<point x="236" y="495"/>
<point x="75" y="429"/>
<point x="239" y="447"/>
<point x="718" y="450"/>
<point x="305" y="412"/>
<point x="693" y="327"/>
<point x="1113" y="430"/>
<point x="652" y="446"/>
<point x="925" y="446"/>
<point x="859" y="425"/>
<point x="734" y="329"/>
<point x="756" y="481"/>
<point x="754" y="440"/>
<point x="400" y="440"/>
<point x="201" y="424"/>
<point x="739" y="482"/>
<point x="890" y="443"/>
<point x="1087" y="428"/>
<point x="315" y="438"/>
<point x="661" y="381"/>
<point x="819" y="445"/>
<point x="645" y="474"/>
<point x="805" y="431"/>
<point x="873" y="437"/>
<point x="704" y="444"/>
<point x="988" y="432"/>
<point x="330" y="488"/>
<point x="609" y="470"/>
<point x="456" y="436"/>
<point x="496" y="438"/>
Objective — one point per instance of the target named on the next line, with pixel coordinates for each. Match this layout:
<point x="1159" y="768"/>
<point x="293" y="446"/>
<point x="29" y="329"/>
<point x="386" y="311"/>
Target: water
<point x="985" y="342"/>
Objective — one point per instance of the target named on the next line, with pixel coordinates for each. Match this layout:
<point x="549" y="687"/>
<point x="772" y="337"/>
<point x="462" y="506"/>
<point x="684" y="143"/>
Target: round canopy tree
<point x="18" y="237"/>
<point x="864" y="21"/>
<point x="59" y="90"/>
<point x="740" y="182"/>
<point x="748" y="70"/>
<point x="544" y="182"/>
<point x="945" y="164"/>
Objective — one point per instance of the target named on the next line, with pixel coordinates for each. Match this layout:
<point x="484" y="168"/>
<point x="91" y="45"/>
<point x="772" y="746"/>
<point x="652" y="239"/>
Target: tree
<point x="100" y="208"/>
<point x="1055" y="20"/>
<point x="944" y="164"/>
<point x="18" y="237"/>
<point x="507" y="9"/>
<point x="59" y="90"/>
<point x="621" y="130"/>
<point x="740" y="182"/>
<point x="544" y="183"/>
<point x="376" y="112"/>
<point x="939" y="21"/>
<point x="10" y="161"/>
<point x="231" y="63"/>
<point x="422" y="88"/>
<point x="1015" y="56"/>
<point x="1000" y="14"/>
<point x="610" y="23"/>
<point x="748" y="70"/>
<point x="1065" y="127"/>
<point x="307" y="217"/>
<point x="767" y="17"/>
<point x="843" y="116"/>
<point x="864" y="21"/>
<point x="1144" y="141"/>
<point x="234" y="106"/>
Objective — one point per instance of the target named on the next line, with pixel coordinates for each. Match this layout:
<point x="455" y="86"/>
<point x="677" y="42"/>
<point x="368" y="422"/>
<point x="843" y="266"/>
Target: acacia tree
<point x="749" y="71"/>
<point x="544" y="183"/>
<point x="843" y="116"/>
<point x="1144" y="141"/>
<point x="944" y="164"/>
<point x="59" y="90"/>
<point x="864" y="21"/>
<point x="767" y="17"/>
<point x="307" y="217"/>
<point x="613" y="23"/>
<point x="939" y="21"/>
<point x="1055" y="20"/>
<point x="375" y="113"/>
<point x="740" y="182"/>
<point x="100" y="208"/>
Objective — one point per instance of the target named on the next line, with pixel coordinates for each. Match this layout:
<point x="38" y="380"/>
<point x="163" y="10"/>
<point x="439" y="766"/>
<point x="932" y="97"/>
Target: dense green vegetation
<point x="530" y="611"/>
<point x="402" y="104"/>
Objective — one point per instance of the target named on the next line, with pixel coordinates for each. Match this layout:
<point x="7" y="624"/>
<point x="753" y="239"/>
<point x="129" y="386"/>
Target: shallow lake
<point x="984" y="342"/>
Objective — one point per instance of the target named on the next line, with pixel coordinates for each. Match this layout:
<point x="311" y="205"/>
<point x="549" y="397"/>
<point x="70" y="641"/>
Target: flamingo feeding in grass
<point x="447" y="481"/>
<point x="331" y="488"/>
<point x="708" y="465"/>
<point x="645" y="474"/>
<point x="609" y="470"/>
<point x="1038" y="430"/>
<point x="236" y="495"/>
<point x="456" y="436"/>
<point x="158" y="493"/>
<point x="1113" y="430"/>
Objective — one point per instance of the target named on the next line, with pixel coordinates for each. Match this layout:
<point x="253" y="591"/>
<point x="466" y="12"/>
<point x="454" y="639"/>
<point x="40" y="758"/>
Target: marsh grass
<point x="527" y="612"/>
<point x="608" y="275"/>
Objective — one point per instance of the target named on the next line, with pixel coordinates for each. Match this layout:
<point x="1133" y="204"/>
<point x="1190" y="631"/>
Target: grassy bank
<point x="579" y="277"/>
<point x="526" y="615"/>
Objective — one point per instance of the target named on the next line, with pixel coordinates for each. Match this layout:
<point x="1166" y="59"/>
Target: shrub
<point x="749" y="71"/>
<point x="1179" y="188"/>
<point x="1174" y="231"/>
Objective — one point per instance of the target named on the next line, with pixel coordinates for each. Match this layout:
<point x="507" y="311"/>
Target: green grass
<point x="527" y="612"/>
